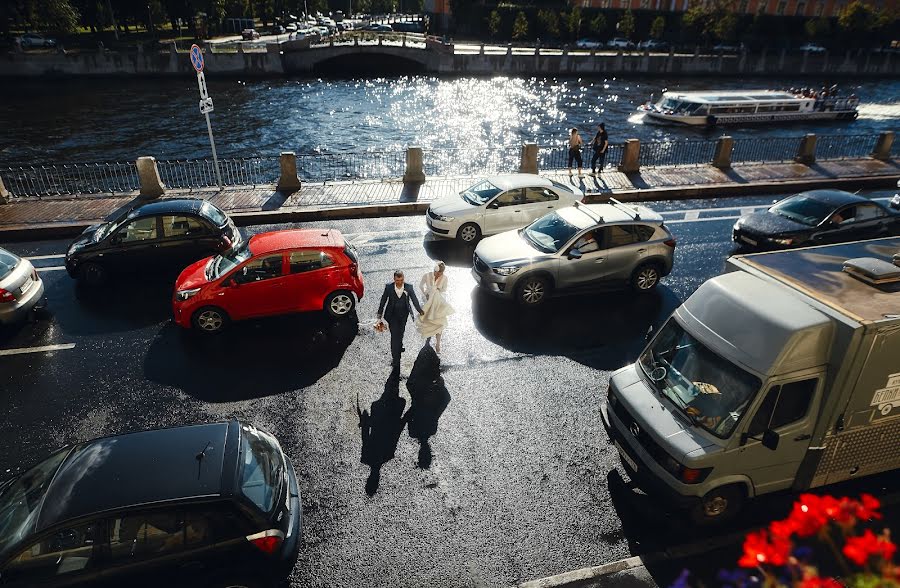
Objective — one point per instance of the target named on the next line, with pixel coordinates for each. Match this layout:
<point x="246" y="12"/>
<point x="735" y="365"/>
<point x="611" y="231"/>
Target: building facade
<point x="802" y="8"/>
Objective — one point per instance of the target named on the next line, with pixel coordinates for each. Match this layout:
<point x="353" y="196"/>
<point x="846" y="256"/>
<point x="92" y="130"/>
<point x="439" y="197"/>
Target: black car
<point x="161" y="235"/>
<point x="814" y="218"/>
<point x="204" y="505"/>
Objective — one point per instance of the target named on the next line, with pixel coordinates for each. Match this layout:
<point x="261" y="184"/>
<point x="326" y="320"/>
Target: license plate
<point x="631" y="463"/>
<point x="748" y="240"/>
<point x="26" y="286"/>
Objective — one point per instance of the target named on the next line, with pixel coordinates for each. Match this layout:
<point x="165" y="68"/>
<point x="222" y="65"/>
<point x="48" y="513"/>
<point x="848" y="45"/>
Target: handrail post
<point x="807" y="152"/>
<point x="288" y="181"/>
<point x="4" y="193"/>
<point x="415" y="171"/>
<point x="631" y="157"/>
<point x="722" y="155"/>
<point x="528" y="163"/>
<point x="148" y="176"/>
<point x="882" y="150"/>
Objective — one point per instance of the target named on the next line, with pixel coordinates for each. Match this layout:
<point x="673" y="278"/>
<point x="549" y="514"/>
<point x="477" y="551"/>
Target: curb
<point x="26" y="232"/>
<point x="585" y="575"/>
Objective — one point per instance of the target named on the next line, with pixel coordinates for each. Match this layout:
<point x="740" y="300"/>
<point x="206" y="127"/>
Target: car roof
<point x="512" y="181"/>
<point x="168" y="206"/>
<point x="135" y="469"/>
<point x="835" y="197"/>
<point x="609" y="214"/>
<point x="279" y="240"/>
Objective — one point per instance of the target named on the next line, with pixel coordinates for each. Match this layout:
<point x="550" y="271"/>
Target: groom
<point x="395" y="309"/>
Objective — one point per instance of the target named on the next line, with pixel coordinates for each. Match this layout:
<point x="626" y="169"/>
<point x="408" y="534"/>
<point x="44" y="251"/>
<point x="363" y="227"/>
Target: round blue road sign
<point x="197" y="58"/>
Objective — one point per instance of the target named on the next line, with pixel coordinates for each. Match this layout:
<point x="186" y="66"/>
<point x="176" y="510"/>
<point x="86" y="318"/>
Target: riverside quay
<point x="296" y="296"/>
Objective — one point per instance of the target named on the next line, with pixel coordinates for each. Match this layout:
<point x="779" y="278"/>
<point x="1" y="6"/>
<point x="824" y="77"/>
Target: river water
<point x="67" y="121"/>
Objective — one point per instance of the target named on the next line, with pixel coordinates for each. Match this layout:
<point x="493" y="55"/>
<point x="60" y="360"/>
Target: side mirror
<point x="770" y="440"/>
<point x="895" y="202"/>
<point x="494" y="205"/>
<point x="115" y="240"/>
<point x="574" y="254"/>
<point x="230" y="283"/>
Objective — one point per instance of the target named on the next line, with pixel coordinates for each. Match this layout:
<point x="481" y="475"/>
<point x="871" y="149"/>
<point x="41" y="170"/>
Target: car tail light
<point x="6" y="296"/>
<point x="267" y="541"/>
<point x="34" y="274"/>
<point x="353" y="268"/>
<point x="225" y="242"/>
<point x="671" y="242"/>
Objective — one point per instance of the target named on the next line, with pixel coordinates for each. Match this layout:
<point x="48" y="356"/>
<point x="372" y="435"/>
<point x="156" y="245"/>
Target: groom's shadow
<point x="380" y="429"/>
<point x="429" y="399"/>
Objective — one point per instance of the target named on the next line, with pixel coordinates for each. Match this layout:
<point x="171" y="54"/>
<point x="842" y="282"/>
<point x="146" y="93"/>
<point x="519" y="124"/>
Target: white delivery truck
<point x="781" y="374"/>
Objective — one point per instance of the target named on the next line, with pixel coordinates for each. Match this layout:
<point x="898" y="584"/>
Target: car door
<point x="624" y="251"/>
<point x="67" y="555"/>
<point x="186" y="239"/>
<point x="256" y="288"/>
<point x="538" y="202"/>
<point x="870" y="221"/>
<point x="134" y="246"/>
<point x="313" y="275"/>
<point x="505" y="212"/>
<point x="590" y="266"/>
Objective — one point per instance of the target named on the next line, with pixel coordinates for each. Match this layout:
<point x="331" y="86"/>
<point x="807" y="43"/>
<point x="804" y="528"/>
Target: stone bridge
<point x="383" y="57"/>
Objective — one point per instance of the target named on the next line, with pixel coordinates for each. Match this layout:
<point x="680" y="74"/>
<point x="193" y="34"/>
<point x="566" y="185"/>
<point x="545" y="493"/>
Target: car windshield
<point x="20" y="500"/>
<point x="213" y="214"/>
<point x="549" y="233"/>
<point x="261" y="468"/>
<point x="225" y="262"/>
<point x="108" y="228"/>
<point x="8" y="263"/>
<point x="712" y="391"/>
<point x="802" y="209"/>
<point x="568" y="189"/>
<point x="480" y="193"/>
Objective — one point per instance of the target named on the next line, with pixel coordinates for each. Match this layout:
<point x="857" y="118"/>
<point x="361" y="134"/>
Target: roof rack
<point x="627" y="209"/>
<point x="594" y="216"/>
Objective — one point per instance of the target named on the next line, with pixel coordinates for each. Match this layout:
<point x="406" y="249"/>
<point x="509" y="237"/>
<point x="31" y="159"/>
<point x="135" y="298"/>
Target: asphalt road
<point x="508" y="477"/>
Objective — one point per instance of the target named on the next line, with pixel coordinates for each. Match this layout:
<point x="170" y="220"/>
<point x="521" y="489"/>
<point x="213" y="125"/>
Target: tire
<point x="469" y="233"/>
<point x="210" y="320"/>
<point x="339" y="304"/>
<point x="718" y="506"/>
<point x="645" y="277"/>
<point x="92" y="274"/>
<point x="532" y="291"/>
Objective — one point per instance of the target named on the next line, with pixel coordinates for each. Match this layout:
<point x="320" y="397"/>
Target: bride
<point x="436" y="310"/>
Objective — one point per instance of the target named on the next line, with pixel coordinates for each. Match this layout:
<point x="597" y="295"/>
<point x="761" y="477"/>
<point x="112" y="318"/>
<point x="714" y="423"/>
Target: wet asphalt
<point x="501" y="475"/>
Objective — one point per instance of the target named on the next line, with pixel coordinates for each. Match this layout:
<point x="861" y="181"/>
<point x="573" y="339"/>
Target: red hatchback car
<point x="273" y="273"/>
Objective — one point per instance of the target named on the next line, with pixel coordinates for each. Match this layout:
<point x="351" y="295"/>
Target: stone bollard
<point x="148" y="175"/>
<point x="288" y="181"/>
<point x="807" y="152"/>
<point x="4" y="193"/>
<point x="528" y="161"/>
<point x="509" y="49"/>
<point x="481" y="49"/>
<point x="631" y="157"/>
<point x="722" y="155"/>
<point x="415" y="172"/>
<point x="882" y="151"/>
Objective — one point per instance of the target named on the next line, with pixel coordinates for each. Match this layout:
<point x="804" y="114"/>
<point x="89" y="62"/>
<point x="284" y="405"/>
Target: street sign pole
<point x="206" y="105"/>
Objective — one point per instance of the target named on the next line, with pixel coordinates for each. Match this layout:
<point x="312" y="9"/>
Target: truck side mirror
<point x="770" y="440"/>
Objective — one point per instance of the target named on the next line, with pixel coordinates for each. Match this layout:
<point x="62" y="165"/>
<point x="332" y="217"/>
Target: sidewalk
<point x="25" y="218"/>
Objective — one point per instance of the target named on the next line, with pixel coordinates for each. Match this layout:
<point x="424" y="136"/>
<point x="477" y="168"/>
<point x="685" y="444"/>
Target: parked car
<point x="653" y="45"/>
<point x="167" y="234"/>
<point x="588" y="44"/>
<point x="379" y="28"/>
<point x="811" y="48"/>
<point x="496" y="204"/>
<point x="619" y="43"/>
<point x="291" y="28"/>
<point x="249" y="35"/>
<point x="726" y="48"/>
<point x="213" y="504"/>
<point x="815" y="218"/>
<point x="21" y="289"/>
<point x="32" y="40"/>
<point x="271" y="274"/>
<point x="576" y="248"/>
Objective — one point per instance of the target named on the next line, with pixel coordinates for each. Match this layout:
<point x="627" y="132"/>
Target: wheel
<point x="339" y="304"/>
<point x="718" y="506"/>
<point x="645" y="277"/>
<point x="210" y="319"/>
<point x="468" y="233"/>
<point x="92" y="274"/>
<point x="533" y="290"/>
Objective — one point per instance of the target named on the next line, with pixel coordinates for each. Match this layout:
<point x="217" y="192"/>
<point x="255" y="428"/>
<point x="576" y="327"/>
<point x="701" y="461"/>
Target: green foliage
<point x="817" y="28"/>
<point x="658" y="27"/>
<point x="626" y="24"/>
<point x="716" y="19"/>
<point x="597" y="26"/>
<point x="494" y="23"/>
<point x="52" y="15"/>
<point x="573" y="22"/>
<point x="520" y="26"/>
<point x="548" y="22"/>
<point x="724" y="28"/>
<point x="858" y="18"/>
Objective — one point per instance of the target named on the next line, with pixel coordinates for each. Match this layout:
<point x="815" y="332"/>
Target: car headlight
<point x="782" y="241"/>
<point x="441" y="217"/>
<point x="182" y="295"/>
<point x="506" y="270"/>
<point x="737" y="225"/>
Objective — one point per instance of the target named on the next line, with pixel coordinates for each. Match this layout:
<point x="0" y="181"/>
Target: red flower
<point x="818" y="582"/>
<point x="866" y="507"/>
<point x="758" y="550"/>
<point x="860" y="549"/>
<point x="811" y="513"/>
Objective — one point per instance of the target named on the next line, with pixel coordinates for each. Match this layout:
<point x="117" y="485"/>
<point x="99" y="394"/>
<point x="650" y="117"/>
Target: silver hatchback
<point x="585" y="246"/>
<point x="21" y="289"/>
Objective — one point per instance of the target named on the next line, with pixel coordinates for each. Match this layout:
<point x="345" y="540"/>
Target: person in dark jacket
<point x="396" y="308"/>
<point x="600" y="143"/>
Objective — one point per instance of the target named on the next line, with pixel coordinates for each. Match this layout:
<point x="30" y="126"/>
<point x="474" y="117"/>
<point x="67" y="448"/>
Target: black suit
<point x="396" y="311"/>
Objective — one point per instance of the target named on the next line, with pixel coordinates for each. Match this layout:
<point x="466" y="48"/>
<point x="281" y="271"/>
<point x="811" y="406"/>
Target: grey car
<point x="21" y="289"/>
<point x="585" y="246"/>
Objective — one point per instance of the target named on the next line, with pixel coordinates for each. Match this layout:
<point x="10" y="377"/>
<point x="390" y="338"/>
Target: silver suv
<point x="578" y="247"/>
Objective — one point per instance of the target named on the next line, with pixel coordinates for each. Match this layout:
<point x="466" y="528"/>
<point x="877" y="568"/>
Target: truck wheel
<point x="469" y="233"/>
<point x="718" y="506"/>
<point x="532" y="291"/>
<point x="645" y="277"/>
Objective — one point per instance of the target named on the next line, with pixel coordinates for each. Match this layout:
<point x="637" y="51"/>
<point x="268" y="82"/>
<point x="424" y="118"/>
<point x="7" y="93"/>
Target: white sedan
<point x="497" y="204"/>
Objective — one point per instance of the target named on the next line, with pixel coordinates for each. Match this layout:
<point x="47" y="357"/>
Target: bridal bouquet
<point x="380" y="326"/>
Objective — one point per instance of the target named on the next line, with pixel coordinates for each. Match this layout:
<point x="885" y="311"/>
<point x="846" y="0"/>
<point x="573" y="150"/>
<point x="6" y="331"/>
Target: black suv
<point x="203" y="505"/>
<point x="167" y="234"/>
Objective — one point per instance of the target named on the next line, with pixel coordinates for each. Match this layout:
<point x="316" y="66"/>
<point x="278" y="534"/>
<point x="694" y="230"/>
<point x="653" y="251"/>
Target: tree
<point x="520" y="26"/>
<point x="857" y="18"/>
<point x="597" y="25"/>
<point x="658" y="27"/>
<point x="52" y="15"/>
<point x="494" y="23"/>
<point x="573" y="22"/>
<point x="626" y="24"/>
<point x="724" y="28"/>
<point x="548" y="22"/>
<point x="817" y="28"/>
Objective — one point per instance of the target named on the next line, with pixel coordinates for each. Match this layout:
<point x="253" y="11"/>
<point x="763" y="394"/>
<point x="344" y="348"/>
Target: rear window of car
<point x="262" y="469"/>
<point x="212" y="213"/>
<point x="8" y="263"/>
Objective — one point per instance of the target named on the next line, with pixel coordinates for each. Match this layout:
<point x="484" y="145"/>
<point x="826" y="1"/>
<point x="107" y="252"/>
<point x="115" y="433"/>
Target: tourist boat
<point x="710" y="108"/>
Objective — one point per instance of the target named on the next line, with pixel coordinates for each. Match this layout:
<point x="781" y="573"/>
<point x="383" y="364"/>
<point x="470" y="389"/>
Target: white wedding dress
<point x="436" y="310"/>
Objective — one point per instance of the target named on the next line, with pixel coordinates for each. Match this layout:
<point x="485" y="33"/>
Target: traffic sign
<point x="197" y="58"/>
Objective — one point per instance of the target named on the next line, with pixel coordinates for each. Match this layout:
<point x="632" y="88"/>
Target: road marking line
<point x="40" y="349"/>
<point x="702" y="220"/>
<point x="55" y="268"/>
<point x="37" y="257"/>
<point x="691" y="215"/>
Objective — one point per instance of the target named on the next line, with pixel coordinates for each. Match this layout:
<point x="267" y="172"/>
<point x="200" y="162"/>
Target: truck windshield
<point x="712" y="391"/>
